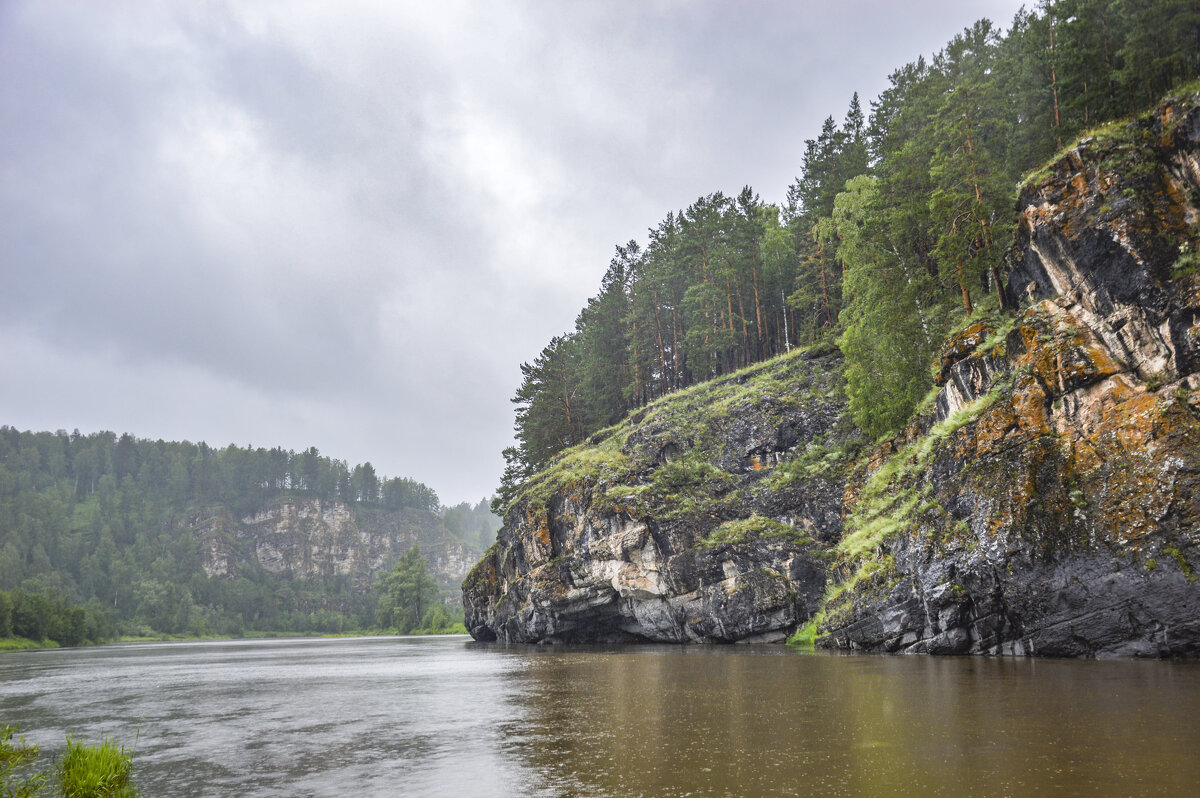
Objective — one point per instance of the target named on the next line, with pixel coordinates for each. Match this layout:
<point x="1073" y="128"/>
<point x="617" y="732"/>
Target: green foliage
<point x="44" y="617"/>
<point x="1188" y="262"/>
<point x="18" y="779"/>
<point x="894" y="229"/>
<point x="439" y="620"/>
<point x="752" y="528"/>
<point x="96" y="771"/>
<point x="408" y="594"/>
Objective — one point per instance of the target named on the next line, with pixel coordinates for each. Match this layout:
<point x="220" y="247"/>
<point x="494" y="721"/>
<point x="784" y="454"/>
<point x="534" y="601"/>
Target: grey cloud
<point x="277" y="223"/>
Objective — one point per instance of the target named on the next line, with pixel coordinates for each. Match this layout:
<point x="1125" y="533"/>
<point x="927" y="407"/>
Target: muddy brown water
<point x="446" y="716"/>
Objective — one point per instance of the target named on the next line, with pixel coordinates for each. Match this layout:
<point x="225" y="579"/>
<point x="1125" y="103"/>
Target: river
<point x="446" y="716"/>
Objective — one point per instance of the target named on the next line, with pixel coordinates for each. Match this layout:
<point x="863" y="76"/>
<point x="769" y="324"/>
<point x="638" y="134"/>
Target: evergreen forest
<point x="95" y="538"/>
<point x="893" y="233"/>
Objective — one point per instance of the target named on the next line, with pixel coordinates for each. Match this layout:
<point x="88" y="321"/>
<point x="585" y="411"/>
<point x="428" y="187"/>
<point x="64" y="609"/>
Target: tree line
<point x="892" y="233"/>
<point x="184" y="472"/>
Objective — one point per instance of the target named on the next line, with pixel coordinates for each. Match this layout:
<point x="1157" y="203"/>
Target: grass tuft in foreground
<point x="96" y="771"/>
<point x="16" y="760"/>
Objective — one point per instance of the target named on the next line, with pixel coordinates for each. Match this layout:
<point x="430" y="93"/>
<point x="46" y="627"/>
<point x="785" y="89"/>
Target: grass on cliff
<point x="755" y="527"/>
<point x="1123" y="139"/>
<point x="692" y="419"/>
<point x="889" y="502"/>
<point x="890" y="495"/>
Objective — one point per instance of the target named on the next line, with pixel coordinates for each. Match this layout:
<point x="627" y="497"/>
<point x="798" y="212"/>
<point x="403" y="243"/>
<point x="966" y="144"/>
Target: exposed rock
<point x="313" y="539"/>
<point x="1104" y="232"/>
<point x="680" y="525"/>
<point x="1051" y="503"/>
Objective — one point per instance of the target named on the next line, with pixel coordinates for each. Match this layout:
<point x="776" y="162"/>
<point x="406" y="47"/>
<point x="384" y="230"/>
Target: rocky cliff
<point x="1050" y="504"/>
<point x="1045" y="503"/>
<point x="678" y="524"/>
<point x="316" y="540"/>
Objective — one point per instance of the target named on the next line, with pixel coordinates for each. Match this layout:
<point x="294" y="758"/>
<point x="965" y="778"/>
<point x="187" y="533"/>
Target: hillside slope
<point x="1046" y="503"/>
<point x="183" y="538"/>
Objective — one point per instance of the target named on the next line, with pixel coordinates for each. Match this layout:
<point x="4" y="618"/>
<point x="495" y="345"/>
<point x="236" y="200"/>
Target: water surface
<point x="445" y="716"/>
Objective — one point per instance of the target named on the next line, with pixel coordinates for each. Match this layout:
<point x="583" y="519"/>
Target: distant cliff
<point x="325" y="540"/>
<point x="1047" y="501"/>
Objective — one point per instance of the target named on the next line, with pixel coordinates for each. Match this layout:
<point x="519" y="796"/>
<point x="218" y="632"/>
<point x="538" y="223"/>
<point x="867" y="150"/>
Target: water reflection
<point x="735" y="722"/>
<point x="391" y="716"/>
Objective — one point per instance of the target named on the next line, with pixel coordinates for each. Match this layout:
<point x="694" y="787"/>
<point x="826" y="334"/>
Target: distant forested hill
<point x="185" y="538"/>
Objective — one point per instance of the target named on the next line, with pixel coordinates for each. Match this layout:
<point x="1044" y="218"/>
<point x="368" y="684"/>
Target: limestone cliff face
<point x="1050" y="504"/>
<point x="1047" y="503"/>
<point x="312" y="539"/>
<point x="677" y="525"/>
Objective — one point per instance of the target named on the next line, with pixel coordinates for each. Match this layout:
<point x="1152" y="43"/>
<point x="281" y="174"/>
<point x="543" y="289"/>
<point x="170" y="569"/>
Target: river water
<point x="446" y="716"/>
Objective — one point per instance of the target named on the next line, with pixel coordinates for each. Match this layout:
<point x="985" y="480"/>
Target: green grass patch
<point x="96" y="771"/>
<point x="1181" y="561"/>
<point x="24" y="644"/>
<point x="890" y="500"/>
<point x="18" y="778"/>
<point x="693" y="420"/>
<point x="755" y="527"/>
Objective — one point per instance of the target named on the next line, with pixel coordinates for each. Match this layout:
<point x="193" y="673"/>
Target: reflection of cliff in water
<point x="668" y="721"/>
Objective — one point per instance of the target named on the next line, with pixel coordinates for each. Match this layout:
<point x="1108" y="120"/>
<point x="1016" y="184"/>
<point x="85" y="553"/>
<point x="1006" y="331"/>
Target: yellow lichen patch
<point x="961" y="344"/>
<point x="1029" y="337"/>
<point x="1083" y="452"/>
<point x="993" y="426"/>
<point x="1137" y="416"/>
<point x="1029" y="406"/>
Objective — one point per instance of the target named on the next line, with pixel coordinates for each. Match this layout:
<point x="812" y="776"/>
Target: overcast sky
<point x="346" y="224"/>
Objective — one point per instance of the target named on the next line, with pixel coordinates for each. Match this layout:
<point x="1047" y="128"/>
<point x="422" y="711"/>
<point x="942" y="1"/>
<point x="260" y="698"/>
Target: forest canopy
<point x="893" y="232"/>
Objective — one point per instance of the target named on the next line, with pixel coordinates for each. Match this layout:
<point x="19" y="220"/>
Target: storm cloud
<point x="346" y="225"/>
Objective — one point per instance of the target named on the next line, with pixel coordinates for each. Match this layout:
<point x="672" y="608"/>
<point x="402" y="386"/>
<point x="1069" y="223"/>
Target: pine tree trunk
<point x="758" y="322"/>
<point x="1054" y="73"/>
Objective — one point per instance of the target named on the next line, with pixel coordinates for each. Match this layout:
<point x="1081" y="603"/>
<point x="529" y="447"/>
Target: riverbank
<point x="25" y="644"/>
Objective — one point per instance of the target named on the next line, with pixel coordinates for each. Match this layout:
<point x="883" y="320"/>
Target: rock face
<point x="1057" y="482"/>
<point x="1047" y="503"/>
<point x="311" y="539"/>
<point x="677" y="525"/>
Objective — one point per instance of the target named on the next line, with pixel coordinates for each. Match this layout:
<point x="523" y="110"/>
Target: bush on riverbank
<point x="42" y="617"/>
